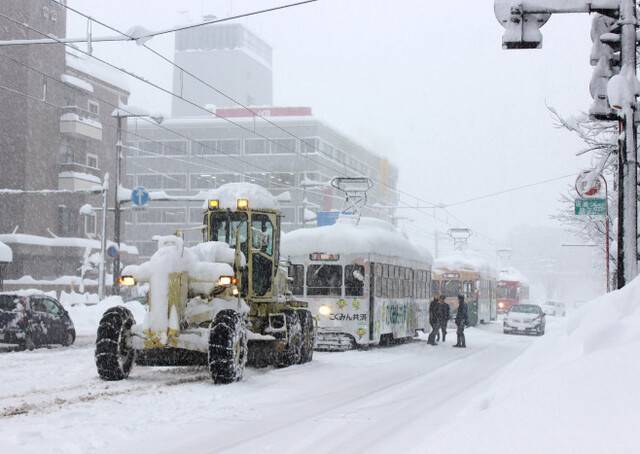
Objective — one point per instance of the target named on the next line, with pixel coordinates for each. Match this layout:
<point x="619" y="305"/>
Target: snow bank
<point x="6" y="254"/>
<point x="87" y="317"/>
<point x="370" y="236"/>
<point x="571" y="392"/>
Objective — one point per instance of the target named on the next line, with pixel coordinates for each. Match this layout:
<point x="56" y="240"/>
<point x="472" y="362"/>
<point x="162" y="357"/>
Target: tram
<point x="512" y="288"/>
<point x="364" y="281"/>
<point x="467" y="273"/>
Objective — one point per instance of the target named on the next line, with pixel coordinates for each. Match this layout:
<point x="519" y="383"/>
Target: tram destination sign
<point x="591" y="207"/>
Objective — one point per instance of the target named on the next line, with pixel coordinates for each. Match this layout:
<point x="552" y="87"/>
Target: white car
<point x="526" y="319"/>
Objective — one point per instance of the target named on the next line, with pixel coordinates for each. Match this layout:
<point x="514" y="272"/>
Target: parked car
<point x="525" y="318"/>
<point x="560" y="309"/>
<point x="548" y="309"/>
<point x="34" y="320"/>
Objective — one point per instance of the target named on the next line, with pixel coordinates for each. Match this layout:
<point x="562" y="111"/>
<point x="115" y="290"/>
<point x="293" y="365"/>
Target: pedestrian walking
<point x="434" y="321"/>
<point x="462" y="320"/>
<point x="445" y="313"/>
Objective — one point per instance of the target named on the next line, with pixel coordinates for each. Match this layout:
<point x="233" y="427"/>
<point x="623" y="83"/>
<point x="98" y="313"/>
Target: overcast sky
<point x="424" y="83"/>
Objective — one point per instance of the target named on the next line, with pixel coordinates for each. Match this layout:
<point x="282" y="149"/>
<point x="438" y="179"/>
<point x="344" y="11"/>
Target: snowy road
<point x="52" y="402"/>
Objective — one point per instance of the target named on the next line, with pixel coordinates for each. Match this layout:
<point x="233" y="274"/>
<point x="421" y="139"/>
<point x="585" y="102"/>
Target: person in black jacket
<point x="445" y="313"/>
<point x="462" y="320"/>
<point x="434" y="321"/>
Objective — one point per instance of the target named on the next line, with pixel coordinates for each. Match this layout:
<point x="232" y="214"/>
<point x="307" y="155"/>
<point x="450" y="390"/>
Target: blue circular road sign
<point x="140" y="196"/>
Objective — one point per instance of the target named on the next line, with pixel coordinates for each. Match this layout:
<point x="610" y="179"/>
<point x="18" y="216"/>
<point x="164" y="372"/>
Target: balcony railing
<point x="80" y="123"/>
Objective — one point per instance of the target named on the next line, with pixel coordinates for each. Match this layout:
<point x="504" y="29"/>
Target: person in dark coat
<point x="445" y="313"/>
<point x="434" y="321"/>
<point x="462" y="320"/>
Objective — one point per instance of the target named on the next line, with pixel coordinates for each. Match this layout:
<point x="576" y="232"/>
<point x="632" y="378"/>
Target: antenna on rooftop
<point x="355" y="193"/>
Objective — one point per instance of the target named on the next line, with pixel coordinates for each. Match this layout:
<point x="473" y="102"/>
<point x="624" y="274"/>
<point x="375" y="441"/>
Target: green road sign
<point x="591" y="207"/>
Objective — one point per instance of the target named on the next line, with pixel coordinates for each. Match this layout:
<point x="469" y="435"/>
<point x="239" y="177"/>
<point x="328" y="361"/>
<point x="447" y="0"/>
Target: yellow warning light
<point x="243" y="204"/>
<point x="226" y="281"/>
<point x="214" y="204"/>
<point x="126" y="281"/>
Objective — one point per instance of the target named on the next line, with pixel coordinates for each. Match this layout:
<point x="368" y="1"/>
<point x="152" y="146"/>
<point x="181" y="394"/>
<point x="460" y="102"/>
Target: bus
<point x="512" y="288"/>
<point x="364" y="281"/>
<point x="467" y="273"/>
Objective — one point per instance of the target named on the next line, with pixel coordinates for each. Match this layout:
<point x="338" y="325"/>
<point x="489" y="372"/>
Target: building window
<point x="256" y="146"/>
<point x="308" y="145"/>
<point x="177" y="148"/>
<point x="94" y="107"/>
<point x="229" y="147"/>
<point x="66" y="153"/>
<point x="150" y="148"/>
<point x="204" y="147"/>
<point x="90" y="225"/>
<point x="65" y="221"/>
<point x="174" y="181"/>
<point x="92" y="160"/>
<point x="283" y="146"/>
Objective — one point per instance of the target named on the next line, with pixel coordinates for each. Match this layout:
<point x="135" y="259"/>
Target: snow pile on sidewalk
<point x="86" y="318"/>
<point x="574" y="391"/>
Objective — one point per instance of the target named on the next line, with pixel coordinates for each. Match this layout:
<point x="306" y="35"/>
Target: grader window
<point x="225" y="225"/>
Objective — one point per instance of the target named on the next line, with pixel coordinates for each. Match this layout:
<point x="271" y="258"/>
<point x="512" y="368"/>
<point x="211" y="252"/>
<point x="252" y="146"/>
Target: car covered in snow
<point x="32" y="320"/>
<point x="526" y="319"/>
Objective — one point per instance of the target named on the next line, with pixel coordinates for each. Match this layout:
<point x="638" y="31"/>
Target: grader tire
<point x="114" y="356"/>
<point x="308" y="335"/>
<point x="293" y="351"/>
<point x="227" y="347"/>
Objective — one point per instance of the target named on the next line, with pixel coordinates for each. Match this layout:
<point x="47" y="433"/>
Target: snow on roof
<point x="35" y="240"/>
<point x="228" y="195"/>
<point x="370" y="236"/>
<point x="468" y="260"/>
<point x="6" y="254"/>
<point x="96" y="69"/>
<point x="30" y="292"/>
<point x="80" y="176"/>
<point x="77" y="82"/>
<point x="511" y="274"/>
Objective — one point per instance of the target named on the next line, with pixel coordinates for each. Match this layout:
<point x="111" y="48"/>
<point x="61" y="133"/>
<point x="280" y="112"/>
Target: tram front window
<point x="324" y="280"/>
<point x="507" y="292"/>
<point x="354" y="280"/>
<point x="451" y="288"/>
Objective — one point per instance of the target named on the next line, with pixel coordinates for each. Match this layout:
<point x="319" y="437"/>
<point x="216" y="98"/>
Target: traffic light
<point x="605" y="56"/>
<point x="521" y="29"/>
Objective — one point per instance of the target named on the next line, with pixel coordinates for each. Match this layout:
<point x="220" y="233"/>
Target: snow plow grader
<point x="222" y="303"/>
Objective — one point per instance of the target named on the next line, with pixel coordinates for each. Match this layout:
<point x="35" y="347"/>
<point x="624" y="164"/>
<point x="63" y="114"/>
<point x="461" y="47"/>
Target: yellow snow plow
<point x="221" y="303"/>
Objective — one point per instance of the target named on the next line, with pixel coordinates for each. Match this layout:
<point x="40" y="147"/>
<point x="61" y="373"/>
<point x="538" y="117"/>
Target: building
<point x="223" y="55"/>
<point x="191" y="154"/>
<point x="56" y="132"/>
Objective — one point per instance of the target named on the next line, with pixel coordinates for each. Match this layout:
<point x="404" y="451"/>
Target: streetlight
<point x="119" y="114"/>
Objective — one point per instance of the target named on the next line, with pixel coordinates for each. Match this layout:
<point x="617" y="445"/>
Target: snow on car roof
<point x="463" y="260"/>
<point x="6" y="254"/>
<point x="370" y="236"/>
<point x="228" y="195"/>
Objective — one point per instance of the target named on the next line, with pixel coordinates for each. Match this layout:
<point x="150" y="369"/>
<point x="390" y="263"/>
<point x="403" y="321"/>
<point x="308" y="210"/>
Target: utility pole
<point x="103" y="240"/>
<point x="522" y="21"/>
<point x="116" y="215"/>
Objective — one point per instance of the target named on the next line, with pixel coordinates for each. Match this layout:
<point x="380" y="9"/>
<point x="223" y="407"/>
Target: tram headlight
<point x="324" y="310"/>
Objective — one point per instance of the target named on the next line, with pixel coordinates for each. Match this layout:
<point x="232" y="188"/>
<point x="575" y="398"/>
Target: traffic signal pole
<point x="522" y="20"/>
<point x="628" y="156"/>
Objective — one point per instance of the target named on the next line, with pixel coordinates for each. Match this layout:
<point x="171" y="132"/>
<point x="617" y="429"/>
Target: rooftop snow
<point x="98" y="70"/>
<point x="511" y="274"/>
<point x="228" y="195"/>
<point x="6" y="254"/>
<point x="77" y="82"/>
<point x="370" y="236"/>
<point x="463" y="260"/>
<point x="35" y="240"/>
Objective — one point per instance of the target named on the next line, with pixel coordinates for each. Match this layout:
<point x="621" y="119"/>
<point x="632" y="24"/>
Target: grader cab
<point x="222" y="303"/>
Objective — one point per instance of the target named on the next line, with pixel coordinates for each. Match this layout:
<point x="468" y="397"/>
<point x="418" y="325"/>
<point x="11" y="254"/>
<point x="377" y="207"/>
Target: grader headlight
<point x="126" y="281"/>
<point x="214" y="204"/>
<point x="227" y="281"/>
<point x="243" y="204"/>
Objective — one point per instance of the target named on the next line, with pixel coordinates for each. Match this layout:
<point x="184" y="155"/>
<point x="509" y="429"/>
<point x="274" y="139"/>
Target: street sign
<point x="589" y="187"/>
<point x="324" y="218"/>
<point x="591" y="207"/>
<point x="140" y="196"/>
<point x="112" y="251"/>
